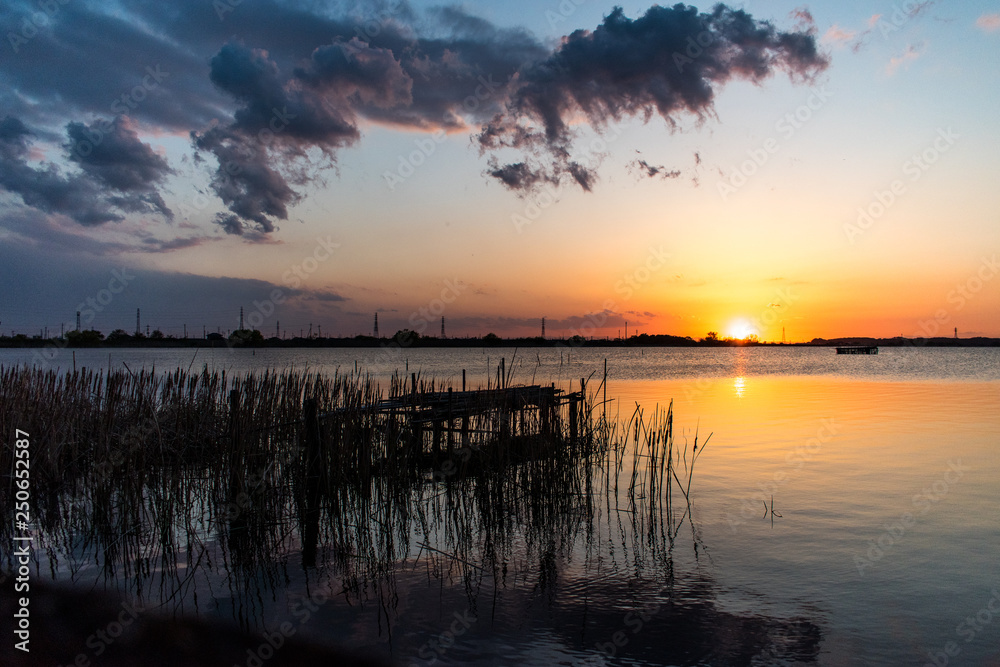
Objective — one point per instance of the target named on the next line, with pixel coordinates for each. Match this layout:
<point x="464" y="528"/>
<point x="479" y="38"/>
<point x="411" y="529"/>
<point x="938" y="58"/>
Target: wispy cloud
<point x="913" y="51"/>
<point x="804" y="20"/>
<point x="989" y="22"/>
<point x="838" y="36"/>
<point x="886" y="25"/>
<point x="642" y="168"/>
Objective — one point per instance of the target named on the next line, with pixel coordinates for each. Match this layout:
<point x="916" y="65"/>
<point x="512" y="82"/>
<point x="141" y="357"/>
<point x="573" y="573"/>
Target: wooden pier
<point x="440" y="419"/>
<point x="438" y="431"/>
<point x="496" y="413"/>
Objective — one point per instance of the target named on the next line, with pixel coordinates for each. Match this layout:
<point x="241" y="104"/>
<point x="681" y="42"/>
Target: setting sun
<point x="740" y="329"/>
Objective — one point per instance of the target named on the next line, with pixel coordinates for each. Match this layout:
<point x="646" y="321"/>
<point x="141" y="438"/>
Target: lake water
<point x="883" y="547"/>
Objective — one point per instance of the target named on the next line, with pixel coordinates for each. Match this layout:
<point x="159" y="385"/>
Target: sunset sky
<point x="830" y="168"/>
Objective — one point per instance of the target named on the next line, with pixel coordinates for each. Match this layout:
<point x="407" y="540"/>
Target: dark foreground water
<point x="883" y="548"/>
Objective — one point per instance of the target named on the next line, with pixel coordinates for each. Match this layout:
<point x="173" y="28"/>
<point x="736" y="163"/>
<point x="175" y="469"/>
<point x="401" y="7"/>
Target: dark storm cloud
<point x="85" y="61"/>
<point x="14" y="138"/>
<point x="120" y="161"/>
<point x="668" y="62"/>
<point x="385" y="73"/>
<point x="118" y="174"/>
<point x="46" y="188"/>
<point x="254" y="191"/>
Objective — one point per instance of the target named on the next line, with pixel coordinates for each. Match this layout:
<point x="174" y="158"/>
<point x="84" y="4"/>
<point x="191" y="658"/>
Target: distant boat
<point x="858" y="349"/>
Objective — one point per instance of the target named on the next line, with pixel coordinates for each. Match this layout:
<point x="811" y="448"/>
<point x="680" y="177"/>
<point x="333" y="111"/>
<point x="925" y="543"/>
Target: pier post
<point x="543" y="411"/>
<point x="451" y="421"/>
<point x="604" y="384"/>
<point x="554" y="409"/>
<point x="418" y="431"/>
<point x="573" y="398"/>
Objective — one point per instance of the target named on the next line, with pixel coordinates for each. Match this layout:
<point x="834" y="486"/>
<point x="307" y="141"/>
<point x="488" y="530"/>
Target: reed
<point x="165" y="484"/>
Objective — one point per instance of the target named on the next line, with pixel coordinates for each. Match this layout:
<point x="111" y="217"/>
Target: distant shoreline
<point x="79" y="341"/>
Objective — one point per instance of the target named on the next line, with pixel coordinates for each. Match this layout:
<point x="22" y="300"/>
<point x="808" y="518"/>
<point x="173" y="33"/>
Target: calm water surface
<point x="885" y="471"/>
